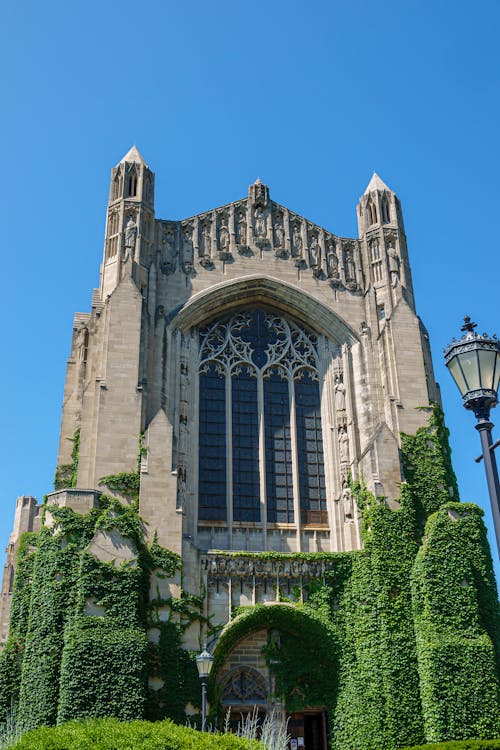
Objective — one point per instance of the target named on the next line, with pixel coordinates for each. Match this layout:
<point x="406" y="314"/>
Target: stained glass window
<point x="264" y="363"/>
<point x="212" y="447"/>
<point x="310" y="450"/>
<point x="245" y="437"/>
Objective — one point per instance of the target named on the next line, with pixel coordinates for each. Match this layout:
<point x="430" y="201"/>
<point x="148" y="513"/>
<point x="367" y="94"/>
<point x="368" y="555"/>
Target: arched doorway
<point x="278" y="657"/>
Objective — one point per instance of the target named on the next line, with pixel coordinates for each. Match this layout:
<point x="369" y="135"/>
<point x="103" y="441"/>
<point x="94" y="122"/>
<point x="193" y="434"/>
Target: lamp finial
<point x="468" y="326"/>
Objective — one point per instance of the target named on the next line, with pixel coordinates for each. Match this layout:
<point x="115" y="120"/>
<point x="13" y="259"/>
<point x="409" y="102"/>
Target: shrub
<point x="110" y="734"/>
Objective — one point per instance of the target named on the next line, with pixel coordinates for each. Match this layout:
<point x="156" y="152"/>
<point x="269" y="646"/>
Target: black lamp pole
<point x="203" y="704"/>
<point x="474" y="363"/>
<point x="204" y="663"/>
<point x="484" y="427"/>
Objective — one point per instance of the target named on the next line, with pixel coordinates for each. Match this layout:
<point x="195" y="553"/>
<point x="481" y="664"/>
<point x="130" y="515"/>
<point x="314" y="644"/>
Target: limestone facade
<point x="247" y="314"/>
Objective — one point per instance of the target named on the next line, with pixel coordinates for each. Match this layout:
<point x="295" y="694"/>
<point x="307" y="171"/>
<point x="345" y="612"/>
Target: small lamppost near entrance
<point x="474" y="363"/>
<point x="204" y="663"/>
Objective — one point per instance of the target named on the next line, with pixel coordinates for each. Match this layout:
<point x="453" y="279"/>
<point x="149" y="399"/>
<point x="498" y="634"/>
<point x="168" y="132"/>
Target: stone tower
<point x="240" y="369"/>
<point x="342" y="336"/>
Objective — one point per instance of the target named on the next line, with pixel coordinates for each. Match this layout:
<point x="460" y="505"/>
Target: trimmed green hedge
<point x="110" y="734"/>
<point x="458" y="745"/>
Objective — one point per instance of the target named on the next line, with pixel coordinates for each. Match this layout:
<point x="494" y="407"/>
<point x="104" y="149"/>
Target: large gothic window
<point x="260" y="436"/>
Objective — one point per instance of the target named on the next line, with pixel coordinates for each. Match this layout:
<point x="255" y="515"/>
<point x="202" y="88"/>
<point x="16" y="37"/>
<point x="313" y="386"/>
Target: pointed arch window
<point x="371" y="211"/>
<point x="116" y="190"/>
<point x="386" y="213"/>
<point x="132" y="183"/>
<point x="260" y="436"/>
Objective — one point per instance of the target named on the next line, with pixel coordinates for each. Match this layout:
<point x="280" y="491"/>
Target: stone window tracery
<point x="375" y="259"/>
<point x="260" y="437"/>
<point x="244" y="686"/>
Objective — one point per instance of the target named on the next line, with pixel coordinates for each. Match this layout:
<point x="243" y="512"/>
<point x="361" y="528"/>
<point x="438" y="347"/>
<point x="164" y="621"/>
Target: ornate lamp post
<point x="204" y="663"/>
<point x="474" y="362"/>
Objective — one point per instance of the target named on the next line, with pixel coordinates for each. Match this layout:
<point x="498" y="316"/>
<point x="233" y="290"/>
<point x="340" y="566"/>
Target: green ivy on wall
<point x="426" y="460"/>
<point x="78" y="644"/>
<point x="67" y="474"/>
<point x="381" y="693"/>
<point x="457" y="618"/>
<point x="12" y="655"/>
<point x="408" y="627"/>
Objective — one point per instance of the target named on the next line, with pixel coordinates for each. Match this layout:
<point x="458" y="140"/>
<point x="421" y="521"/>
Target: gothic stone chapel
<point x="253" y="457"/>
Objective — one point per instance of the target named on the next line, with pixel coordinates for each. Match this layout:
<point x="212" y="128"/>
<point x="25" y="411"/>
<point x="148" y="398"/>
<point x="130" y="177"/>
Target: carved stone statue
<point x="344" y="446"/>
<point x="339" y="394"/>
<point x="347" y="504"/>
<point x="181" y="487"/>
<point x="242" y="228"/>
<point x="315" y="252"/>
<point x="183" y="438"/>
<point x="184" y="374"/>
<point x="296" y="241"/>
<point x="207" y="240"/>
<point x="394" y="262"/>
<point x="279" y="233"/>
<point x="260" y="222"/>
<point x="350" y="271"/>
<point x="187" y="244"/>
<point x="224" y="236"/>
<point x="333" y="261"/>
<point x="167" y="252"/>
<point x="130" y="237"/>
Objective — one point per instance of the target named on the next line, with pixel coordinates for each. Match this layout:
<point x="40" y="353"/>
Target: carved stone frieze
<point x="220" y="565"/>
<point x="237" y="229"/>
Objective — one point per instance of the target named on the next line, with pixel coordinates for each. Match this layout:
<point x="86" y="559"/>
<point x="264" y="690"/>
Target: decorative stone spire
<point x="258" y="193"/>
<point x="133" y="156"/>
<point x="376" y="184"/>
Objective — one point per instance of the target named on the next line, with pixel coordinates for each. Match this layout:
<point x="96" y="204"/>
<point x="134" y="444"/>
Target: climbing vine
<point x="12" y="654"/>
<point x="457" y="625"/>
<point x="67" y="474"/>
<point x="426" y="459"/>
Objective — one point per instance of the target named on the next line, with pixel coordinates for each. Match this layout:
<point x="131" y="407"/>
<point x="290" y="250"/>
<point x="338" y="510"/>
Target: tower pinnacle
<point x="133" y="155"/>
<point x="376" y="184"/>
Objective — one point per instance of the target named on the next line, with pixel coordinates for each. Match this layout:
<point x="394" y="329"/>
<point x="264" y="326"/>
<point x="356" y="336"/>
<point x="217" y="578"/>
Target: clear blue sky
<point x="311" y="97"/>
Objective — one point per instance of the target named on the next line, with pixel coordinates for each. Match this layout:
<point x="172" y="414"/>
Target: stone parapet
<point x="81" y="501"/>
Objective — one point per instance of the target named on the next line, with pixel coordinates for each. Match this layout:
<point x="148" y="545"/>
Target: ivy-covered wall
<point x="400" y="642"/>
<point x="411" y="623"/>
<point x="78" y="644"/>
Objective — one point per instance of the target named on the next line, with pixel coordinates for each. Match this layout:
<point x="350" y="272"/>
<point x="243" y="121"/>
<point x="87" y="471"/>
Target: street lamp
<point x="204" y="663"/>
<point x="474" y="363"/>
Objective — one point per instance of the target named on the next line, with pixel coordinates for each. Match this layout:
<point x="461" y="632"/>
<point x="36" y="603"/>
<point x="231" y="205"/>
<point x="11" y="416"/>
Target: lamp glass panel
<point x="457" y="376"/>
<point x="470" y="368"/>
<point x="487" y="363"/>
<point x="496" y="377"/>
